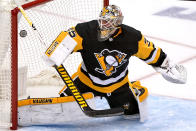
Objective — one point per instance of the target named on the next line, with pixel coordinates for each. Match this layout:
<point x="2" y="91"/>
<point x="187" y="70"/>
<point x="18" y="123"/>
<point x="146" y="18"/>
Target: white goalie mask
<point x="109" y="20"/>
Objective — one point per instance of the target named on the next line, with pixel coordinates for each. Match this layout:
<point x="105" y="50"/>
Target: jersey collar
<point x="117" y="33"/>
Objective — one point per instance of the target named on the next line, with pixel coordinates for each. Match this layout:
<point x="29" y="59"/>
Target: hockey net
<point x="21" y="63"/>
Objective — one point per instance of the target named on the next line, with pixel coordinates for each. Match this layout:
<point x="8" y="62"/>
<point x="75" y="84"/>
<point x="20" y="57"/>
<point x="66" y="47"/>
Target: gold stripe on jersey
<point x="106" y="89"/>
<point x="147" y="51"/>
<point x="73" y="78"/>
<point x="55" y="43"/>
<point x="156" y="57"/>
<point x="78" y="39"/>
<point x="144" y="48"/>
<point x="119" y="32"/>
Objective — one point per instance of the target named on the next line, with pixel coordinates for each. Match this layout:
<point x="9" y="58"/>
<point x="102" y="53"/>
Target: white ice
<point x="172" y="107"/>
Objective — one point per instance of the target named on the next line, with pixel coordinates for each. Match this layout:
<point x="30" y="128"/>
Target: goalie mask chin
<point x="109" y="20"/>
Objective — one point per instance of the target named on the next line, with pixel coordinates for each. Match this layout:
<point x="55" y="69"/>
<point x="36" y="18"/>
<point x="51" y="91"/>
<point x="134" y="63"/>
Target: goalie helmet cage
<point x="20" y="50"/>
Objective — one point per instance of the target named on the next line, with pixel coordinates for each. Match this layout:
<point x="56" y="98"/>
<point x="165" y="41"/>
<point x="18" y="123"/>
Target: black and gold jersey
<point x="105" y="63"/>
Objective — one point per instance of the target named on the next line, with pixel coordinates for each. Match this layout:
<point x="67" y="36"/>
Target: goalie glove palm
<point x="174" y="73"/>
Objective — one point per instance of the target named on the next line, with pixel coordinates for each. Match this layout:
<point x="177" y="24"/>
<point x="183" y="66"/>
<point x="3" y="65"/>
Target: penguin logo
<point x="110" y="61"/>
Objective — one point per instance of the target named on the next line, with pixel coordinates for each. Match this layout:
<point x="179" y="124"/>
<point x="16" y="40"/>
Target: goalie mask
<point x="109" y="20"/>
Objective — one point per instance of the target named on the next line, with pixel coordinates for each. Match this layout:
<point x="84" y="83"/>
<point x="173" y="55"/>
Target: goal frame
<point x="14" y="57"/>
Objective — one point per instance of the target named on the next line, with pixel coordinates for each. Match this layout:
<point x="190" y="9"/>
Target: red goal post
<point x="21" y="51"/>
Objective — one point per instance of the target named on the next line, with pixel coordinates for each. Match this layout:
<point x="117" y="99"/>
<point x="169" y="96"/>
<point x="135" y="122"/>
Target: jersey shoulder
<point x="87" y="28"/>
<point x="132" y="33"/>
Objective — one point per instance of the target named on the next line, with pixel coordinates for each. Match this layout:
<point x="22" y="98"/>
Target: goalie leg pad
<point x="141" y="94"/>
<point x="50" y="111"/>
<point x="140" y="91"/>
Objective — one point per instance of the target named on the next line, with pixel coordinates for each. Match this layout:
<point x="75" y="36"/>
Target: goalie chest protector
<point x="107" y="59"/>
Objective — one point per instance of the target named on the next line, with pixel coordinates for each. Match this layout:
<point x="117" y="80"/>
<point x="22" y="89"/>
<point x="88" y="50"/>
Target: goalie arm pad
<point x="172" y="72"/>
<point x="62" y="47"/>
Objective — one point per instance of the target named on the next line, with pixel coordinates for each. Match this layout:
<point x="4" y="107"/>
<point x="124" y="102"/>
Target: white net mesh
<point x="50" y="19"/>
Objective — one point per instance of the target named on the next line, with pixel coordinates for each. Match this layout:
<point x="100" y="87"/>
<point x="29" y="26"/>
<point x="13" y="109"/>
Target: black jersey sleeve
<point x="80" y="29"/>
<point x="87" y="29"/>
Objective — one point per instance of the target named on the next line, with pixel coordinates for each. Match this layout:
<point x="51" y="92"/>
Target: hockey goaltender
<point x="105" y="46"/>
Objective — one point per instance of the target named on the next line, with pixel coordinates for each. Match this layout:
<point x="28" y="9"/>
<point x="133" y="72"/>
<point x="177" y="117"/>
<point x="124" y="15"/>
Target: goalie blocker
<point x="61" y="48"/>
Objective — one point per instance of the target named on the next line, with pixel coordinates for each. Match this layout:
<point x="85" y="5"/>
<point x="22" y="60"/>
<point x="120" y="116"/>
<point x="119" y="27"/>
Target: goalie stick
<point x="80" y="99"/>
<point x="70" y="84"/>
